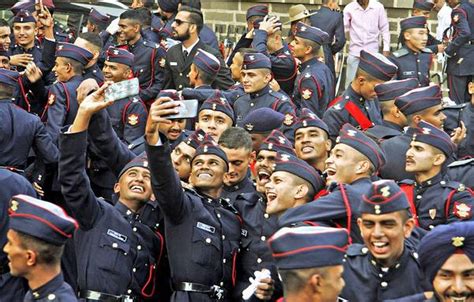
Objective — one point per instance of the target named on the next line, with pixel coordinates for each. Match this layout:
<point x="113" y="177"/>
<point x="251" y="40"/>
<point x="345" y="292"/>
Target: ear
<point x="328" y="144"/>
<point x="69" y="67"/>
<point x="408" y="227"/>
<point x="416" y="118"/>
<point x="136" y="28"/>
<point x="359" y="223"/>
<point x="406" y="36"/>
<point x="31" y="258"/>
<point x="439" y="159"/>
<point x="363" y="166"/>
<point x="308" y="50"/>
<point x="301" y="191"/>
<point x="117" y="188"/>
<point x="470" y="87"/>
<point x="314" y="282"/>
<point x="268" y="77"/>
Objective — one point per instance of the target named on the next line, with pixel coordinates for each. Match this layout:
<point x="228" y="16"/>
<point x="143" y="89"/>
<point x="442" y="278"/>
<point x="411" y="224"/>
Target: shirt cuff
<point x="159" y="142"/>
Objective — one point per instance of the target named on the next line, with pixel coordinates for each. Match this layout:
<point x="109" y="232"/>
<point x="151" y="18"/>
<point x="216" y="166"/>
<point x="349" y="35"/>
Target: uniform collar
<point x="257" y="94"/>
<point x="242" y="184"/>
<point x="310" y="62"/>
<point x="398" y="264"/>
<point x="392" y="125"/>
<point x="48" y="289"/>
<point x="353" y="95"/>
<point x="132" y="46"/>
<point x="432" y="181"/>
<point x="204" y="87"/>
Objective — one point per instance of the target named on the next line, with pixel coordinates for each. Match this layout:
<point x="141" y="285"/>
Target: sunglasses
<point x="179" y="22"/>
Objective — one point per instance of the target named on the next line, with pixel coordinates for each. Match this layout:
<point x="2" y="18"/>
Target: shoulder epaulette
<point x="406" y="182"/>
<point x="357" y="249"/>
<point x="400" y="53"/>
<point x="150" y="44"/>
<point x="460" y="163"/>
<point x="426" y="50"/>
<point x="453" y="185"/>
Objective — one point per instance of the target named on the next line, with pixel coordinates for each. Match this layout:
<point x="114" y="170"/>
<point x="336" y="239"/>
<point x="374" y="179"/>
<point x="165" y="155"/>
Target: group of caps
<point x="297" y="247"/>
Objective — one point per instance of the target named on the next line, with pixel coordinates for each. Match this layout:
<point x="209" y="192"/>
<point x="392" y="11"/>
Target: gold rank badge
<point x="132" y="119"/>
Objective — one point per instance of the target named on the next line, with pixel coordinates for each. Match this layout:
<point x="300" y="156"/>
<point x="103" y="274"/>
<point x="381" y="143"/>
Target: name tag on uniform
<point x="244" y="232"/>
<point x="116" y="235"/>
<point x="408" y="73"/>
<point x="206" y="227"/>
<point x="173" y="63"/>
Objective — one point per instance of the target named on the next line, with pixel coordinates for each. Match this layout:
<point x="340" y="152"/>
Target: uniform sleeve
<point x="111" y="149"/>
<point x="325" y="209"/>
<point x="168" y="82"/>
<point x="43" y="145"/>
<point x="75" y="186"/>
<point x="311" y="92"/>
<point x="48" y="55"/>
<point x="284" y="107"/>
<point x="461" y="27"/>
<point x="166" y="184"/>
<point x="134" y="121"/>
<point x="460" y="206"/>
<point x="260" y="42"/>
<point x="157" y="78"/>
<point x="340" y="40"/>
<point x="57" y="109"/>
<point x="334" y="119"/>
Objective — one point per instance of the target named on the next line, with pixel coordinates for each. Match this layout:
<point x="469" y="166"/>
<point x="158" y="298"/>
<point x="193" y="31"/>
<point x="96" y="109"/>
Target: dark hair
<point x="47" y="253"/>
<point x="132" y="14"/>
<point x="363" y="73"/>
<point x="92" y="38"/>
<point x="205" y="77"/>
<point x="146" y="16"/>
<point x="244" y="50"/>
<point x="4" y="23"/>
<point x="236" y="138"/>
<point x="6" y="91"/>
<point x="295" y="280"/>
<point x="77" y="66"/>
<point x="195" y="16"/>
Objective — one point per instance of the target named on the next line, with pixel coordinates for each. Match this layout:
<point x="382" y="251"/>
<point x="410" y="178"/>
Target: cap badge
<point x="385" y="191"/>
<point x="351" y="132"/>
<point x="285" y="157"/>
<point x="458" y="241"/>
<point x="426" y="130"/>
<point x="377" y="209"/>
<point x="14" y="206"/>
<point x="249" y="127"/>
<point x="288" y="119"/>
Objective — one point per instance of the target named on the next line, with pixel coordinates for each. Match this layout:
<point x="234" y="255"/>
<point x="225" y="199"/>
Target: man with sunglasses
<point x="186" y="27"/>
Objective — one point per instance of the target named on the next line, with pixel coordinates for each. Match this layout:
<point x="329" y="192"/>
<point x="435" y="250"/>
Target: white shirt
<point x="444" y="21"/>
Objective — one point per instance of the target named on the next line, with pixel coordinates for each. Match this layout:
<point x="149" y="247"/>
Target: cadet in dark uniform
<point x="418" y="104"/>
<point x="312" y="143"/>
<point x="93" y="43"/>
<point x="260" y="122"/>
<point x="352" y="162"/>
<point x="62" y="105"/>
<point x="393" y="119"/>
<point x="460" y="50"/>
<point x="12" y="184"/>
<point x="424" y="8"/>
<point x="148" y="65"/>
<point x="310" y="262"/>
<point x="436" y="201"/>
<point x="20" y="131"/>
<point x="254" y="13"/>
<point x="413" y="59"/>
<point x="386" y="265"/>
<point x="256" y="76"/>
<point x="37" y="233"/>
<point x="447" y="258"/>
<point x="268" y="40"/>
<point x="117" y="249"/>
<point x="203" y="70"/>
<point x="97" y="22"/>
<point x="358" y="105"/>
<point x="215" y="116"/>
<point x="330" y="21"/>
<point x="186" y="28"/>
<point x="314" y="86"/>
<point x="127" y="115"/>
<point x="237" y="145"/>
<point x="24" y="26"/>
<point x="203" y="232"/>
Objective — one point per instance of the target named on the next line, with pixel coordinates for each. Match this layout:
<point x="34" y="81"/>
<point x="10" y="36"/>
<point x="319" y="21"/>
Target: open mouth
<point x="379" y="247"/>
<point x="263" y="176"/>
<point x="307" y="149"/>
<point x="204" y="175"/>
<point x="458" y="298"/>
<point x="271" y="196"/>
<point x="137" y="189"/>
<point x="330" y="172"/>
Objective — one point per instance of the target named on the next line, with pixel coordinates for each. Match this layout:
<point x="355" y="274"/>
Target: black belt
<point x="215" y="292"/>
<point x="103" y="297"/>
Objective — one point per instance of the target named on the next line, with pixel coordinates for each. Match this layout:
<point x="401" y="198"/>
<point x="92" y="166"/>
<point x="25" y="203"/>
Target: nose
<point x="459" y="285"/>
<point x="378" y="232"/>
<point x="442" y="116"/>
<point x="329" y="160"/>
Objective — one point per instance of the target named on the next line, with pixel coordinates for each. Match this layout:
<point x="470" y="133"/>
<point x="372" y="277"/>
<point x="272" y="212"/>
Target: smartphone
<point x="122" y="89"/>
<point x="186" y="109"/>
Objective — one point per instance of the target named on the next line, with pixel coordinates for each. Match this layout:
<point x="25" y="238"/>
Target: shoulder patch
<point x="51" y="99"/>
<point x="427" y="50"/>
<point x="357" y="249"/>
<point x="462" y="210"/>
<point x="306" y="93"/>
<point x="400" y="53"/>
<point x="459" y="163"/>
